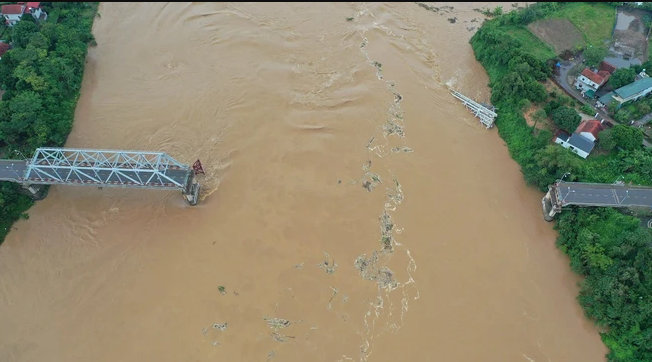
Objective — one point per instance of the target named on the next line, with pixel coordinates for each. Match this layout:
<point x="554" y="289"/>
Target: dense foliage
<point x="609" y="248"/>
<point x="622" y="77"/>
<point x="566" y="118"/>
<point x="41" y="76"/>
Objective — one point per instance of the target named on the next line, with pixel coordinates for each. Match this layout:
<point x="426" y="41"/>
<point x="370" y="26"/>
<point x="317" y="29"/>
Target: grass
<point x="531" y="44"/>
<point x="595" y="21"/>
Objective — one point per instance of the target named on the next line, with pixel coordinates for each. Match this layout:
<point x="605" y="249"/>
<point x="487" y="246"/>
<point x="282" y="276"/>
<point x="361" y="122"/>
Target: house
<point x="578" y="144"/>
<point x="590" y="129"/>
<point x="582" y="141"/>
<point x="631" y="92"/>
<point x="13" y="12"/>
<point x="589" y="81"/>
<point x="3" y="49"/>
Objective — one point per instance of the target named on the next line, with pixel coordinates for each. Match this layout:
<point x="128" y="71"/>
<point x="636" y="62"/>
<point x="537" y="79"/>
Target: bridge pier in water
<point x="191" y="191"/>
<point x="550" y="209"/>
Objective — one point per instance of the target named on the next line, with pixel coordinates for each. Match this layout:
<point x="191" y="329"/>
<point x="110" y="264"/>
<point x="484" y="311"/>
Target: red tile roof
<point x="594" y="77"/>
<point x="33" y="4"/>
<point x="3" y="48"/>
<point x="592" y="126"/>
<point x="608" y="67"/>
<point x="13" y="9"/>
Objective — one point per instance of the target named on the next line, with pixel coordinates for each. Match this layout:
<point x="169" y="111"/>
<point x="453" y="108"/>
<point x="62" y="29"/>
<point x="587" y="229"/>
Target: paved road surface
<point x="572" y="193"/>
<point x="12" y="170"/>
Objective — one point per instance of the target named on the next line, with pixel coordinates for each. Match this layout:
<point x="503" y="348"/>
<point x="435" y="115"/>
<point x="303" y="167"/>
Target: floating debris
<point x="350" y="18"/>
<point x="204" y="330"/>
<point x="280" y="338"/>
<point x="452" y="20"/>
<point x="369" y="180"/>
<point x="270" y="355"/>
<point x="386" y="228"/>
<point x="367" y="265"/>
<point x="328" y="265"/>
<point x="222" y="290"/>
<point x="395" y="195"/>
<point x="384" y="277"/>
<point x="277" y="323"/>
<point x="402" y="149"/>
<point x="331" y="300"/>
<point x="345" y="298"/>
<point x="299" y="266"/>
<point x="220" y="326"/>
<point x="215" y="343"/>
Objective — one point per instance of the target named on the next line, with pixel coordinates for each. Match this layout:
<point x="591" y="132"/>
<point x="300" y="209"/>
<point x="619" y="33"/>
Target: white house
<point x="578" y="144"/>
<point x="582" y="141"/>
<point x="13" y="12"/>
<point x="589" y="80"/>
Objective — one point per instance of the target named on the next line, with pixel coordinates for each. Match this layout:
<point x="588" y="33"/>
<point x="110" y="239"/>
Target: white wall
<point x="576" y="150"/>
<point x="588" y="135"/>
<point x="585" y="83"/>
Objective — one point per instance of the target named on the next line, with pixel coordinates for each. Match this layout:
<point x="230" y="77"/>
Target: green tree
<point x="566" y="118"/>
<point x="22" y="32"/>
<point x="626" y="137"/>
<point x="593" y="55"/>
<point x="606" y="140"/>
<point x="622" y="77"/>
<point x="538" y="116"/>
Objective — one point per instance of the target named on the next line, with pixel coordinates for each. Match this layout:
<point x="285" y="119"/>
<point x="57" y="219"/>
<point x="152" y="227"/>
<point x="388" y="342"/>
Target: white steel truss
<point x="155" y="170"/>
<point x="486" y="115"/>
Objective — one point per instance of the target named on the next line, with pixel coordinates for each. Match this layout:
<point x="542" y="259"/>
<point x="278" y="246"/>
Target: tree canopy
<point x="41" y="76"/>
<point x="566" y="118"/>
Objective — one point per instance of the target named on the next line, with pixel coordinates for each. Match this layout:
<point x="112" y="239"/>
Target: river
<point x="352" y="209"/>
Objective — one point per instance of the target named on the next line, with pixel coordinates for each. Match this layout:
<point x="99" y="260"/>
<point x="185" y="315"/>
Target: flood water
<point x="348" y="195"/>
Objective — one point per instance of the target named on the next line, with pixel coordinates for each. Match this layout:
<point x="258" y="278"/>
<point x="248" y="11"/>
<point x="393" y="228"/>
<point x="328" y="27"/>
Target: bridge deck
<point x="16" y="171"/>
<point x="585" y="194"/>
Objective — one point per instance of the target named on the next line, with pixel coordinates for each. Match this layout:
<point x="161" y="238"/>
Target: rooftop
<point x="607" y="67"/>
<point x="634" y="88"/>
<point x="13" y="9"/>
<point x="606" y="99"/>
<point x="563" y="136"/>
<point x="3" y="48"/>
<point x="582" y="143"/>
<point x="592" y="126"/>
<point x="594" y="77"/>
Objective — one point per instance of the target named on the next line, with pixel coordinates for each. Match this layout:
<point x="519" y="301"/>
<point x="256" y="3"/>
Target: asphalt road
<point x="12" y="170"/>
<point x="571" y="193"/>
<point x="15" y="170"/>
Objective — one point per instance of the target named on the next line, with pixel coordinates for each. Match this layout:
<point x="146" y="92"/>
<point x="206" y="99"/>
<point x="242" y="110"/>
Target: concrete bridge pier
<point x="191" y="191"/>
<point x="37" y="192"/>
<point x="549" y="210"/>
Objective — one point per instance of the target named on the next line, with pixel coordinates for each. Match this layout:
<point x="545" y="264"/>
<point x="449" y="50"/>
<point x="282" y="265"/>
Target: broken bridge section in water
<point x="102" y="168"/>
<point x="486" y="113"/>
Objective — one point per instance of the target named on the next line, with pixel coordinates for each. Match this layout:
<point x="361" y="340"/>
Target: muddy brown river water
<point x="352" y="209"/>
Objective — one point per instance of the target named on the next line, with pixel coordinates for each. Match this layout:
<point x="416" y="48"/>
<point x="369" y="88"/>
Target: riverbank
<point x="42" y="76"/>
<point x="608" y="248"/>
